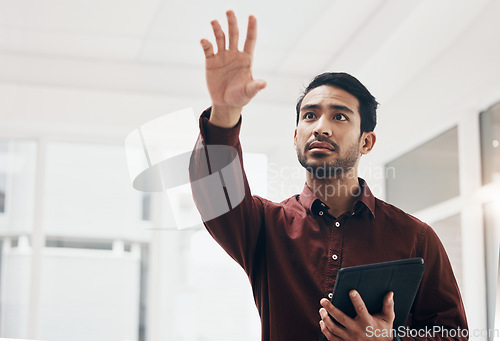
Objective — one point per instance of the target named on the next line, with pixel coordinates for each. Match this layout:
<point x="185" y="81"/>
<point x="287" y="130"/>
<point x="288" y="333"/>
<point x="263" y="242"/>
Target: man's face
<point x="327" y="137"/>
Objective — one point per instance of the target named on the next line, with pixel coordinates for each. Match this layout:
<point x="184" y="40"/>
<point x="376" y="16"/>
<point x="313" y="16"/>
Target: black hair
<point x="367" y="103"/>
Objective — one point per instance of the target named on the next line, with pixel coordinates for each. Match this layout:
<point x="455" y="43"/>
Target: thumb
<point x="254" y="86"/>
<point x="388" y="309"/>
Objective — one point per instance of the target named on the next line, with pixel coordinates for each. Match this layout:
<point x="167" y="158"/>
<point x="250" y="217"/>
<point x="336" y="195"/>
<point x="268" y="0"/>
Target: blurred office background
<point x="84" y="255"/>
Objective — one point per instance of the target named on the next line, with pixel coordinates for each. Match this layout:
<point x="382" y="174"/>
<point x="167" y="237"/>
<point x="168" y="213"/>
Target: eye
<point x="309" y="116"/>
<point x="340" y="117"/>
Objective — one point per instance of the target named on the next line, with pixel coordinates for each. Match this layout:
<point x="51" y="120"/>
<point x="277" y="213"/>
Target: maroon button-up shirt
<point x="293" y="250"/>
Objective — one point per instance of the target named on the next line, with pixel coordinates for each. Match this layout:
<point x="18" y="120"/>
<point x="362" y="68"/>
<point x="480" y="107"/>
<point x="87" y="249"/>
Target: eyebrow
<point x="333" y="106"/>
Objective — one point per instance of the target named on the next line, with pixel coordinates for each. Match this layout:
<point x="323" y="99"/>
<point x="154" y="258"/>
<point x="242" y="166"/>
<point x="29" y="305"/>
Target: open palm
<point x="229" y="71"/>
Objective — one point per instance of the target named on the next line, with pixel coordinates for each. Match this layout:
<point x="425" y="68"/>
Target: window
<point x="448" y="230"/>
<point x="17" y="186"/>
<point x="3" y="173"/>
<point x="490" y="144"/>
<point x="427" y="175"/>
<point x="492" y="252"/>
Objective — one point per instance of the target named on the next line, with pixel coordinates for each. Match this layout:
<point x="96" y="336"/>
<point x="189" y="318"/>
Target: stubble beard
<point x="333" y="169"/>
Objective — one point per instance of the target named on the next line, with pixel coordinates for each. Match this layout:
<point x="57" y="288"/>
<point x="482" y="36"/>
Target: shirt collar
<point x="311" y="202"/>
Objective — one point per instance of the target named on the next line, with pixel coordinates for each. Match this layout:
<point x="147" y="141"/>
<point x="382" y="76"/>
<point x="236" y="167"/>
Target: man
<point x="292" y="250"/>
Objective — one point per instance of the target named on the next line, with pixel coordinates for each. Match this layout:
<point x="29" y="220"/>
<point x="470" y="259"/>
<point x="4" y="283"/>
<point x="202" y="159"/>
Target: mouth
<point x="321" y="146"/>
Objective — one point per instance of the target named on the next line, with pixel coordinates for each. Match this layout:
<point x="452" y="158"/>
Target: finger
<point x="333" y="328"/>
<point x="232" y="30"/>
<point x="207" y="48"/>
<point x="329" y="336"/>
<point x="220" y="37"/>
<point x="325" y="331"/>
<point x="251" y="35"/>
<point x="388" y="309"/>
<point x="359" y="306"/>
<point x="337" y="314"/>
<point x="254" y="86"/>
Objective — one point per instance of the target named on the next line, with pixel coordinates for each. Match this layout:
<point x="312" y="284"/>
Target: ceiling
<point x="106" y="66"/>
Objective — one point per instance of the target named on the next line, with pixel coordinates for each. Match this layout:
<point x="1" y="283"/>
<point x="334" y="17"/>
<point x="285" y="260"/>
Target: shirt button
<point x="320" y="213"/>
<point x="330" y="295"/>
<point x="337" y="224"/>
<point x="334" y="257"/>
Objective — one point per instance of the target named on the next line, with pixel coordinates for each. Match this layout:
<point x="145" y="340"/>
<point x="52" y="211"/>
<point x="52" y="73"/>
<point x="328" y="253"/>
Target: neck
<point x="339" y="192"/>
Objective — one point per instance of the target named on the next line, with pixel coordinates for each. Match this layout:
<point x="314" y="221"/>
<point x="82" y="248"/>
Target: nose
<point x="322" y="127"/>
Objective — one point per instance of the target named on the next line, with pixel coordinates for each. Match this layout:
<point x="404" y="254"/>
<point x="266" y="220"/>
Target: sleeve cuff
<point x="212" y="134"/>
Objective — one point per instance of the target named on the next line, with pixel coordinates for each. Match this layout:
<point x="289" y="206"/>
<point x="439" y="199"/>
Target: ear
<point x="295" y="138"/>
<point x="368" y="140"/>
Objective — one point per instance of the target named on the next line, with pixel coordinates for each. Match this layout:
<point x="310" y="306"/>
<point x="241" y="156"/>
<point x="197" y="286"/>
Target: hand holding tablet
<point x="373" y="282"/>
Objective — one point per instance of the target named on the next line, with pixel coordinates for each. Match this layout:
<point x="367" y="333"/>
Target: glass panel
<point x="88" y="201"/>
<point x="17" y="186"/>
<point x="146" y="206"/>
<point x="17" y="183"/>
<point x="497" y="310"/>
<point x="143" y="292"/>
<point x="205" y="294"/>
<point x="3" y="173"/>
<point x="88" y="193"/>
<point x="78" y="244"/>
<point x="220" y="288"/>
<point x="490" y="143"/>
<point x="88" y="294"/>
<point x="427" y="175"/>
<point x="449" y="231"/>
<point x="492" y="246"/>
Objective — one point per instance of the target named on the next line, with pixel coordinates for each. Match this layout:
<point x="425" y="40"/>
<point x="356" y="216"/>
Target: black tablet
<point x="374" y="281"/>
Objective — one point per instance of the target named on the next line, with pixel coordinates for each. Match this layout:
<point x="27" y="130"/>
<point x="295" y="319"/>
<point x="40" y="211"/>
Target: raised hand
<point x="229" y="72"/>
